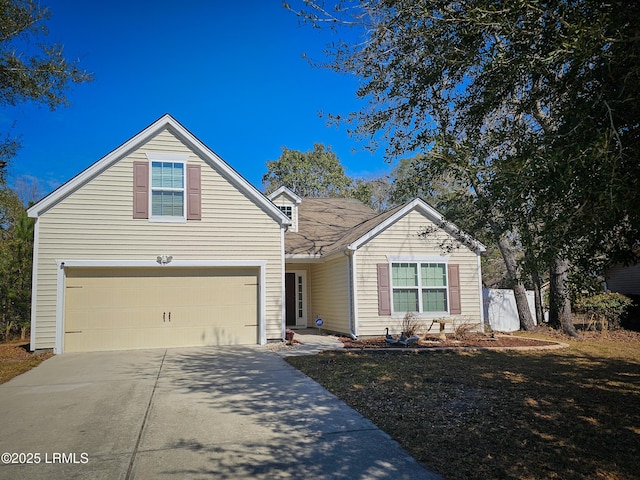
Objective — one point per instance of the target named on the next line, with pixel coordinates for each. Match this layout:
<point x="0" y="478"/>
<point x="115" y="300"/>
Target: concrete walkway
<point x="199" y="413"/>
<point x="311" y="341"/>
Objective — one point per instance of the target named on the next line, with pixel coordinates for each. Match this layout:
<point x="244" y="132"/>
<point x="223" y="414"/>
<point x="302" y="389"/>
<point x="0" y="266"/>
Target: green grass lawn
<point x="571" y="413"/>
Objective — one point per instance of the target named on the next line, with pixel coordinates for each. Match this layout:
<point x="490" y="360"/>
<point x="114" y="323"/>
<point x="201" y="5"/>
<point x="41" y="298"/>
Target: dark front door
<point x="290" y="295"/>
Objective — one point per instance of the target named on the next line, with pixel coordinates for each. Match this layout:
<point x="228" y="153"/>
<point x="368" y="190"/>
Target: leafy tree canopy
<point x="543" y="95"/>
<point x="315" y="173"/>
<point x="531" y="106"/>
<point x="16" y="248"/>
<point x="30" y="69"/>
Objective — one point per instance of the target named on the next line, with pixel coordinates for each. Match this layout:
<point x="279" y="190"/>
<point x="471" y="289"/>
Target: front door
<point x="295" y="304"/>
<point x="290" y="293"/>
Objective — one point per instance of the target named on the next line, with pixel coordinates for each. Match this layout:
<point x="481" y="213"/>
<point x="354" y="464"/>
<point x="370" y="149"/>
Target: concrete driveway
<point x="216" y="412"/>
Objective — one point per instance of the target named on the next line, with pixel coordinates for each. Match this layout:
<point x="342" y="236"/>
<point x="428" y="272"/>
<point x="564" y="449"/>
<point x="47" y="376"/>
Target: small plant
<point x="464" y="330"/>
<point x="604" y="310"/>
<point x="410" y="324"/>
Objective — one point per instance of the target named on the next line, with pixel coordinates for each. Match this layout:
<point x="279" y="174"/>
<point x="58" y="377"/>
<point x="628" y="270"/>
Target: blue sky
<point x="231" y="72"/>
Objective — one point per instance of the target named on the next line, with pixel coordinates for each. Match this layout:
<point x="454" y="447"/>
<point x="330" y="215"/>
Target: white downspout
<point x="480" y="290"/>
<point x="353" y="294"/>
<point x="283" y="297"/>
<point x="60" y="320"/>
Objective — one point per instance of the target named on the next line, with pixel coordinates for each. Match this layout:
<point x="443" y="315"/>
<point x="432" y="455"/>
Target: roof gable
<point x="327" y="226"/>
<point x="383" y="222"/>
<point x="179" y="131"/>
<point x="287" y="193"/>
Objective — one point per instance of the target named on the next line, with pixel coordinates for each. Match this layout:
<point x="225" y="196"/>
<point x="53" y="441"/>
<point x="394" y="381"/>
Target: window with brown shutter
<point x="172" y="183"/>
<point x="424" y="287"/>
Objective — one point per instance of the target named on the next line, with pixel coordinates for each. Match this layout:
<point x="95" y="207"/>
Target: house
<point x="162" y="244"/>
<point x="624" y="279"/>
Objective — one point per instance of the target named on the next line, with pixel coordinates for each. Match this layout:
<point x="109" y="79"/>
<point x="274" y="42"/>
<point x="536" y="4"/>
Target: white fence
<point x="500" y="311"/>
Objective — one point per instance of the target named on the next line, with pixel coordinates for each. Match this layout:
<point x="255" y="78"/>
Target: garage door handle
<point x="169" y="316"/>
<point x="163" y="316"/>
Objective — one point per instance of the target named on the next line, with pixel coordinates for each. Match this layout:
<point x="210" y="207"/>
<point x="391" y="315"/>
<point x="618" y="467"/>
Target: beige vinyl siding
<point x="96" y="223"/>
<point x="330" y="292"/>
<point x="401" y="239"/>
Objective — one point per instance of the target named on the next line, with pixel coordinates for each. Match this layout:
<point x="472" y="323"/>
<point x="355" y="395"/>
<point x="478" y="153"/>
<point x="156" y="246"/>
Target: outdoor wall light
<point x="164" y="259"/>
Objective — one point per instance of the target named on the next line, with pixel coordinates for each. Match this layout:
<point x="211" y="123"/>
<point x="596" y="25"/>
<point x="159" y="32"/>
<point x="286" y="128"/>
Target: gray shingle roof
<point x="328" y="225"/>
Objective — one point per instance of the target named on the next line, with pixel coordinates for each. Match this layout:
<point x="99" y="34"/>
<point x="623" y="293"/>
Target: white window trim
<point x="419" y="261"/>
<point x="172" y="158"/>
<point x="421" y="258"/>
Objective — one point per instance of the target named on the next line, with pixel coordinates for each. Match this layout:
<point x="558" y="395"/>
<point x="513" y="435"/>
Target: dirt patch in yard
<point x="15" y="359"/>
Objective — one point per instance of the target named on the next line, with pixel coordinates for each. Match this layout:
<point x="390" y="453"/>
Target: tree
<point x="30" y="70"/>
<point x="16" y="248"/>
<point x="28" y="189"/>
<point x="532" y="106"/>
<point x="316" y="173"/>
<point x="374" y="192"/>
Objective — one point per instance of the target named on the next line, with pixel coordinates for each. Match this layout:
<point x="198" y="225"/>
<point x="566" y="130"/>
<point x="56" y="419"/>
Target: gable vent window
<point x="167" y="189"/>
<point x="287" y="211"/>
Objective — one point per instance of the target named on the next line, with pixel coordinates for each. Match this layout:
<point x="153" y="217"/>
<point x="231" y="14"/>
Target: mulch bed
<point x="15" y="352"/>
<point x="472" y="341"/>
<point x="15" y="359"/>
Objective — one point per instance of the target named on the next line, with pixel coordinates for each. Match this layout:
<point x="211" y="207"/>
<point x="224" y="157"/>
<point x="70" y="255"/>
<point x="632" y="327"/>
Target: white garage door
<point x="121" y="309"/>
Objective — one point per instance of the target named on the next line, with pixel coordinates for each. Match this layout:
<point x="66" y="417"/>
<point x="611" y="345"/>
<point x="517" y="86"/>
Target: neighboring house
<point x="623" y="279"/>
<point x="162" y="244"/>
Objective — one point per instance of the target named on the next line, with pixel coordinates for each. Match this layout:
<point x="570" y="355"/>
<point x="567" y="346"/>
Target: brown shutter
<point x="455" y="308"/>
<point x="384" y="292"/>
<point x="140" y="190"/>
<point x="194" y="209"/>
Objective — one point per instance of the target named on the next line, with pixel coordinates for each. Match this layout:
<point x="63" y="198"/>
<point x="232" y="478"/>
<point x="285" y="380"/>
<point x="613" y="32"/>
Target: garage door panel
<point x="229" y="291"/>
<point x="111" y="309"/>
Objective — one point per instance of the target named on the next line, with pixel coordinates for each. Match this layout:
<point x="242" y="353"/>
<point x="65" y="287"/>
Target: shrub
<point x="604" y="310"/>
<point x="410" y="324"/>
<point x="465" y="330"/>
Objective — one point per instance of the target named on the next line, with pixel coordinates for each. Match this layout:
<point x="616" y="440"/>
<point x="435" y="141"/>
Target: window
<point x="287" y="211"/>
<point x="419" y="287"/>
<point x="167" y="189"/>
